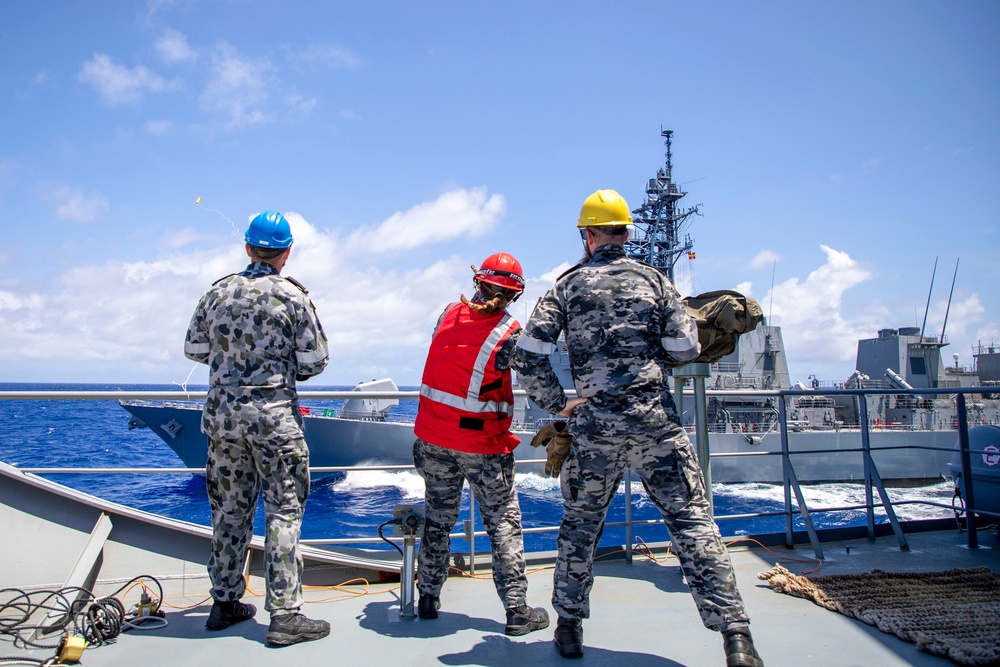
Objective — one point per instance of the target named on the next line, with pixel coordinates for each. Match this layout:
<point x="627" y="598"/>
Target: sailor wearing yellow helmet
<point x="624" y="326"/>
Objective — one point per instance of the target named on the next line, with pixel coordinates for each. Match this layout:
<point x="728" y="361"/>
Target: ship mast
<point x="659" y="222"/>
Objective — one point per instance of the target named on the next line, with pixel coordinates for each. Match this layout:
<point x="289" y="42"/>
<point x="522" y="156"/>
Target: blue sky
<point x="836" y="150"/>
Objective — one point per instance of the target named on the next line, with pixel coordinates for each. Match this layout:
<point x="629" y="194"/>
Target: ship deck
<point x="642" y="614"/>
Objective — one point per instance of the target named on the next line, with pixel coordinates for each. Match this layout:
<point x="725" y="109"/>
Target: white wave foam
<point x="409" y="483"/>
<point x="534" y="482"/>
<point x="844" y="494"/>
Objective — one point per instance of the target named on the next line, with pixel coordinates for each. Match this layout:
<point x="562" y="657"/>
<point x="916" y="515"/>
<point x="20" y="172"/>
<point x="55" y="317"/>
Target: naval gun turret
<point x="371" y="409"/>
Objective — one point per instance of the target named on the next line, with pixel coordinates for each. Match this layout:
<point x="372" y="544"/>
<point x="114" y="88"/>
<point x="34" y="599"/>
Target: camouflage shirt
<point x="258" y="332"/>
<point x="624" y="326"/>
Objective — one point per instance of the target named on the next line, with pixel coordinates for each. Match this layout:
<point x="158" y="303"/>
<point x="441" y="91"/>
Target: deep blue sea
<point x="95" y="434"/>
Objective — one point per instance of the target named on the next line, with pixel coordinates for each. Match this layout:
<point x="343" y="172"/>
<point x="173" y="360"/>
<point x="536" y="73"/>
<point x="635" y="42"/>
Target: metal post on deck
<point x="866" y="450"/>
<point x="470" y="532"/>
<point x="697" y="372"/>
<point x="407" y="593"/>
<point x="963" y="440"/>
<point x="629" y="537"/>
<point x="873" y="479"/>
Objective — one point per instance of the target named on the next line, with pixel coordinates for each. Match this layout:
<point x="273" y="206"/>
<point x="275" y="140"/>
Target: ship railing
<point x="795" y="504"/>
<point x="872" y="480"/>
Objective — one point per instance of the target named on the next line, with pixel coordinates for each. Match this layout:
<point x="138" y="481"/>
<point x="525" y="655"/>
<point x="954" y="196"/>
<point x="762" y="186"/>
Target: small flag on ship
<point x="691" y="254"/>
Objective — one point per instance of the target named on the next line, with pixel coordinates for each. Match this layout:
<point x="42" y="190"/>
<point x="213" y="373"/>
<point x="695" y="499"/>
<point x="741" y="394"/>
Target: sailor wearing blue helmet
<point x="269" y="230"/>
<point x="259" y="333"/>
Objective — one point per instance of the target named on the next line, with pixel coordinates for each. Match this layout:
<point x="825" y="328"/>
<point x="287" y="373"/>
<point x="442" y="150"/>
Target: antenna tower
<point x="659" y="222"/>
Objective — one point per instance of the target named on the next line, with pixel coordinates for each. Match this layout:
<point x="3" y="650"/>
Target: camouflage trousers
<point x="670" y="473"/>
<point x="238" y="471"/>
<point x="491" y="478"/>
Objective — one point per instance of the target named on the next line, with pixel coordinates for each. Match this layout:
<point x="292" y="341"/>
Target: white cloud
<point x="327" y="55"/>
<point x="237" y="89"/>
<point x="117" y="84"/>
<point x="157" y="127"/>
<point x="73" y="203"/>
<point x="870" y="164"/>
<point x="964" y="316"/>
<point x="745" y="288"/>
<point x="300" y="104"/>
<point x="349" y="115"/>
<point x="809" y="312"/>
<point x="86" y="321"/>
<point x="143" y="322"/>
<point x="764" y="258"/>
<point x="684" y="283"/>
<point x="179" y="238"/>
<point x="173" y="48"/>
<point x="379" y="318"/>
<point x="551" y="276"/>
<point x="454" y="214"/>
<point x="9" y="301"/>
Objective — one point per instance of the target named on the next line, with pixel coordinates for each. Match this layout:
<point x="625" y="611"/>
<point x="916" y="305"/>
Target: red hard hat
<point x="503" y="271"/>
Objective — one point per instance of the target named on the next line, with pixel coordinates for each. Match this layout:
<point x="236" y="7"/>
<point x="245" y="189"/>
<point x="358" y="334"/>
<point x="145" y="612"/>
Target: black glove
<point x="556" y="441"/>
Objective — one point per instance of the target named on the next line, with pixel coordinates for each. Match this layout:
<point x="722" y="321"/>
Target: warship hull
<point x="816" y="456"/>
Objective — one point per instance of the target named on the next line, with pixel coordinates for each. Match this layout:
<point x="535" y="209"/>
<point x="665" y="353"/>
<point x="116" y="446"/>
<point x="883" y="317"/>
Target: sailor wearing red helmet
<point x="463" y="433"/>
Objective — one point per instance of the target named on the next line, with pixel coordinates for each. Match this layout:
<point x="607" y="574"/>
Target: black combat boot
<point x="739" y="649"/>
<point x="427" y="607"/>
<point x="224" y="614"/>
<point x="287" y="629"/>
<point x="569" y="637"/>
<point x="525" y="619"/>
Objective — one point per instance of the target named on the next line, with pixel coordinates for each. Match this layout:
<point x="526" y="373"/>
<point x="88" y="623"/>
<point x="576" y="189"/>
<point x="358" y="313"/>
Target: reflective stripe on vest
<point x="470" y="402"/>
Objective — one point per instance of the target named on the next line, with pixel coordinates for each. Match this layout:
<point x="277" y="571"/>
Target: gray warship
<point x="372" y="431"/>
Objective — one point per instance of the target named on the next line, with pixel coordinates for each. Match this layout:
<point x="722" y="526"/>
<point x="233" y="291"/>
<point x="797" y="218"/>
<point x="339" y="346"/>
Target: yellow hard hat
<point x="604" y="208"/>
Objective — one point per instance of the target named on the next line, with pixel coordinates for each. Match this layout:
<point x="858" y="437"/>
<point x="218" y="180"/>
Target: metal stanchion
<point x="697" y="372"/>
<point x="407" y="520"/>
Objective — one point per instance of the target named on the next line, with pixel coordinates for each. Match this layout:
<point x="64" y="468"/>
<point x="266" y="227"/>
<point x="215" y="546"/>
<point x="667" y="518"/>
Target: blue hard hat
<point x="269" y="230"/>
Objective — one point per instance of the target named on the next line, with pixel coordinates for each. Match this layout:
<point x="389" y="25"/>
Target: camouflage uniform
<point x="624" y="326"/>
<point x="259" y="333"/>
<point x="491" y="479"/>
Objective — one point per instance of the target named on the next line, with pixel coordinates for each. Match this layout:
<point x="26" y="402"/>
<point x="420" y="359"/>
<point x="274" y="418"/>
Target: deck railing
<point x="795" y="504"/>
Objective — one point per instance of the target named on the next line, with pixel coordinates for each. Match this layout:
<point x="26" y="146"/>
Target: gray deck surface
<point x="642" y="614"/>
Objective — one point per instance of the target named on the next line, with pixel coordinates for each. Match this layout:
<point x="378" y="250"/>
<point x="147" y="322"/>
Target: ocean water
<point x="95" y="434"/>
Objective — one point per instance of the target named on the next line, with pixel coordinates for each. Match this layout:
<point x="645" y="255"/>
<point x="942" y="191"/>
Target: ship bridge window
<point x="917" y="366"/>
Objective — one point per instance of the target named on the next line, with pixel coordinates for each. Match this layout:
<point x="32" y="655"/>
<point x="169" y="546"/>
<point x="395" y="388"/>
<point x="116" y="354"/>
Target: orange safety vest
<point x="465" y="403"/>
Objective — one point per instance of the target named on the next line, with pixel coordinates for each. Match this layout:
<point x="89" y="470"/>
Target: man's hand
<point x="556" y="441"/>
<point x="571" y="405"/>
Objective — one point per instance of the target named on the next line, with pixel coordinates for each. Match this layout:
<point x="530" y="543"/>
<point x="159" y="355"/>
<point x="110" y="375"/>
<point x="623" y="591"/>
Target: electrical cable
<point x="76" y="614"/>
<point x="387" y="540"/>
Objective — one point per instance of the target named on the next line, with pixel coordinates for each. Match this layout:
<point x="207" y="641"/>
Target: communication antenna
<point x="770" y="305"/>
<point x="948" y="308"/>
<point x="927" y="307"/>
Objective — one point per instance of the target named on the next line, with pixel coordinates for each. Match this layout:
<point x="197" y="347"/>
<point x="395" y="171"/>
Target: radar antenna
<point x="658" y="223"/>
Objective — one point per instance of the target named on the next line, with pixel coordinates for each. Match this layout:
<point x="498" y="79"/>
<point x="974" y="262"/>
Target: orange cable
<point x="819" y="562"/>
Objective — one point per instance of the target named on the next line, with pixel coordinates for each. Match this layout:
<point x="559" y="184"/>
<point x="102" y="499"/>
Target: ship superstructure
<point x="658" y="238"/>
<point x="904" y="358"/>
